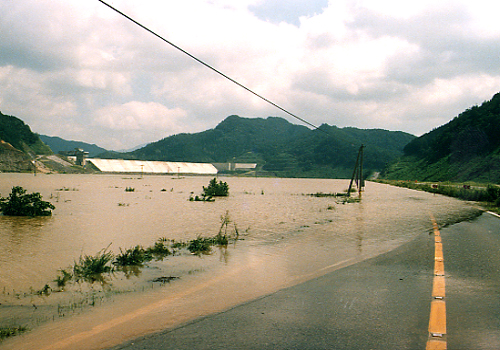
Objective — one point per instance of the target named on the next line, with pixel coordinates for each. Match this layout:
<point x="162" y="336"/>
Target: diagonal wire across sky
<point x="209" y="66"/>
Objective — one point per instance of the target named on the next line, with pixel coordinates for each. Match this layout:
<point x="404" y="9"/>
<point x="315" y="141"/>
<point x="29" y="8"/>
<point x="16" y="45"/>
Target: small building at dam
<point x="151" y="167"/>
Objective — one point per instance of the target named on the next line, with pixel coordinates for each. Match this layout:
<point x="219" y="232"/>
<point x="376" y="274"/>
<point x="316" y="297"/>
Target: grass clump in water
<point x="138" y="255"/>
<point x="91" y="268"/>
<point x="44" y="291"/>
<point x="341" y="197"/>
<point x="159" y="250"/>
<point x="133" y="256"/>
<point x="6" y="332"/>
<point x="202" y="245"/>
<point x="63" y="279"/>
<point x="321" y="194"/>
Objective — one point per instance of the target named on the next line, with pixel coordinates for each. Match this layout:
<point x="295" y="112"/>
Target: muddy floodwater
<point x="286" y="237"/>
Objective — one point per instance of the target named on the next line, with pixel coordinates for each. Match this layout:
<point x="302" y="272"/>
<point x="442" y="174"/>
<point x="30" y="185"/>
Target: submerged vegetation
<point x="341" y="197"/>
<point x="90" y="268"/>
<point x="94" y="277"/>
<point x="137" y="256"/>
<point x="100" y="267"/>
<point x="203" y="245"/>
<point x="489" y="194"/>
<point x="6" y="332"/>
<point x="21" y="203"/>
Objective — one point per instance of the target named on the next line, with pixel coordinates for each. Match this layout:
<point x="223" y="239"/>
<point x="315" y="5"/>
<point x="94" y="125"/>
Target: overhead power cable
<point x="208" y="66"/>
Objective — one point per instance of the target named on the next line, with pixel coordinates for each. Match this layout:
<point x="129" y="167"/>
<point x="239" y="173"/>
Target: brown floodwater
<point x="286" y="237"/>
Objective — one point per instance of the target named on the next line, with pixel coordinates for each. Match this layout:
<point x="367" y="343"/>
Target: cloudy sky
<point x="78" y="70"/>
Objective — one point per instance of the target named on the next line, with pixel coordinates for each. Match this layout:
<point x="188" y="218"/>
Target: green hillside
<point x="58" y="144"/>
<point x="279" y="147"/>
<point x="14" y="131"/>
<point x="465" y="149"/>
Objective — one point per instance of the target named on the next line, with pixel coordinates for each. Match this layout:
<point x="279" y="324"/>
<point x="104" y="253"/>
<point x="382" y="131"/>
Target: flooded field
<point x="286" y="236"/>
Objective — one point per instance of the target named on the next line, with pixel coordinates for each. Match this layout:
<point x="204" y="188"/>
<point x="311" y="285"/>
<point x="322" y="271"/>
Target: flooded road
<point x="287" y="237"/>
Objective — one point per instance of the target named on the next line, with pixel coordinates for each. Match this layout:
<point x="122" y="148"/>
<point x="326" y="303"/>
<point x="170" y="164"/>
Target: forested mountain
<point x="58" y="144"/>
<point x="279" y="147"/>
<point x="14" y="131"/>
<point x="465" y="149"/>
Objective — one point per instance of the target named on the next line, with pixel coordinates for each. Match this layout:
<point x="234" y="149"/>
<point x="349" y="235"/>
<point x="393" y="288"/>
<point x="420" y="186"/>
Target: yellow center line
<point x="437" y="318"/>
<point x="433" y="344"/>
<point x="438" y="251"/>
<point x="438" y="268"/>
<point x="438" y="287"/>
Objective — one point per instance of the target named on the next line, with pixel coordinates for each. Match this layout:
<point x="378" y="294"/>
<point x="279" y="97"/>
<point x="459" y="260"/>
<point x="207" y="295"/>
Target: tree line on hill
<point x="14" y="131"/>
<point x="465" y="149"/>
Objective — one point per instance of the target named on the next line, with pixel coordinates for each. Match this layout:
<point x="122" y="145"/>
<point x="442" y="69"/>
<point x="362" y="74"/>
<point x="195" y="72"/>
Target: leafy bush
<point x="215" y="189"/>
<point x="20" y="203"/>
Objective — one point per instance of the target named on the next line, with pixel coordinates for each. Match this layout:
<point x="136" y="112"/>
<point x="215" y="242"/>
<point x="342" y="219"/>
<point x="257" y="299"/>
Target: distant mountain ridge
<point x="58" y="144"/>
<point x="279" y="147"/>
<point x="465" y="149"/>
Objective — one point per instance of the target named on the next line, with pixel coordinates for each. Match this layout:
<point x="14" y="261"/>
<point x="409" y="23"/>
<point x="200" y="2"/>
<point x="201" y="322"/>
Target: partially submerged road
<point x="381" y="303"/>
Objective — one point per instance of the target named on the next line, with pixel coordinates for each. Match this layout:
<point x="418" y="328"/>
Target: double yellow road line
<point x="437" y="319"/>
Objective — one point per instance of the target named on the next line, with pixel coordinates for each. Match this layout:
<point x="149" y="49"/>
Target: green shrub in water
<point x="20" y="203"/>
<point x="200" y="245"/>
<point x="6" y="332"/>
<point x="63" y="279"/>
<point x="90" y="268"/>
<point x="133" y="256"/>
<point x="159" y="250"/>
<point x="215" y="189"/>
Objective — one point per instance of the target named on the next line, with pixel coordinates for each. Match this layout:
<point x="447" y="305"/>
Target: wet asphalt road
<point x="472" y="265"/>
<point x="381" y="303"/>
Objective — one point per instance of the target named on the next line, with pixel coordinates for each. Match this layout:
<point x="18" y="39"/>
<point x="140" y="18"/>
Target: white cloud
<point x="137" y="122"/>
<point x="397" y="8"/>
<point x="136" y="115"/>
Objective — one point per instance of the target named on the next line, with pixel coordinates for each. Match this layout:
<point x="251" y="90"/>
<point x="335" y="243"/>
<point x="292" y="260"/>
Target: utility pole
<point x="357" y="174"/>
